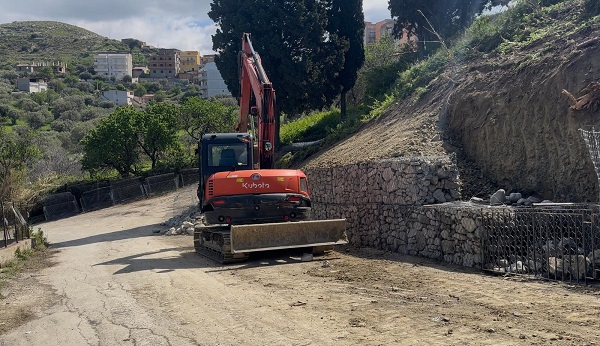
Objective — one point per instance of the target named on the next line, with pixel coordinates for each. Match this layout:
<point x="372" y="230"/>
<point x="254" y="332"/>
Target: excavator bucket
<point x="274" y="236"/>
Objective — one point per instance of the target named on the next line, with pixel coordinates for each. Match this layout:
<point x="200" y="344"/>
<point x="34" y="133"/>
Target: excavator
<point x="249" y="206"/>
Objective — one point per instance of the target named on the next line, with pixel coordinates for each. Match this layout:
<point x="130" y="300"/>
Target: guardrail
<point x="65" y="204"/>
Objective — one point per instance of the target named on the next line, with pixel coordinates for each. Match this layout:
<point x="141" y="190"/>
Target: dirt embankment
<point x="504" y="117"/>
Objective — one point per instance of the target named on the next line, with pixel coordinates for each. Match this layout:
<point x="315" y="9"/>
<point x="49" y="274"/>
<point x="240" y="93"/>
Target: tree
<point x="156" y="129"/>
<point x="300" y="56"/>
<point x="447" y="17"/>
<point x="200" y="116"/>
<point x="127" y="79"/>
<point x="113" y="143"/>
<point x="346" y="19"/>
<point x="140" y="90"/>
<point x="16" y="152"/>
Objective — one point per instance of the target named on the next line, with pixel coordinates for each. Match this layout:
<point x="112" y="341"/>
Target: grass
<point x="11" y="269"/>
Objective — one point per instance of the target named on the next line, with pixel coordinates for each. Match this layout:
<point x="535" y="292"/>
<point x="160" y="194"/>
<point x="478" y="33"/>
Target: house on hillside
<point x="211" y="82"/>
<point x="117" y="65"/>
<point x="164" y="64"/>
<point x="119" y="97"/>
<point x="32" y="85"/>
<point x="56" y="67"/>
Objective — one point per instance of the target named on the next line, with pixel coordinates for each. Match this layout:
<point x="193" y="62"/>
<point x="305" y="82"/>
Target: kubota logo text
<point x="255" y="186"/>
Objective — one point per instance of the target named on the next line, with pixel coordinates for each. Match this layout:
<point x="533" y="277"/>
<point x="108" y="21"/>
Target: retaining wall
<point x="402" y="205"/>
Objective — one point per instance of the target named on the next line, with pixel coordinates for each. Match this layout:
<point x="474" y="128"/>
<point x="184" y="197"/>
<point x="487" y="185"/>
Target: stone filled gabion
<point x="384" y="204"/>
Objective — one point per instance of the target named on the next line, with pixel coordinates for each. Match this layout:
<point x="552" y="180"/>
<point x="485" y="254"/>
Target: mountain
<point x="25" y="42"/>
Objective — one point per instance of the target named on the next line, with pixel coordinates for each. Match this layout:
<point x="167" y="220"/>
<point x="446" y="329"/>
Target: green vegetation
<point x="9" y="270"/>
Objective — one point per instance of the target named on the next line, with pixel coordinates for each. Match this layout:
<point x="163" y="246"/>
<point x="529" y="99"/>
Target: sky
<point x="181" y="24"/>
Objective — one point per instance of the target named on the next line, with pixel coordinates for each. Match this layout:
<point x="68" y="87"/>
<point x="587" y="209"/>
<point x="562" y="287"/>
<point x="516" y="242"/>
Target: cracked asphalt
<point x="117" y="281"/>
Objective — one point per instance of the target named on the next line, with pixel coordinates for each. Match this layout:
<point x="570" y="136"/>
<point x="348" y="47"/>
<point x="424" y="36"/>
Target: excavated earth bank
<point x="504" y="117"/>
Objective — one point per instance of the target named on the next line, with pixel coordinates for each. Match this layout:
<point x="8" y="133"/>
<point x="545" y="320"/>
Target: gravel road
<point x="115" y="280"/>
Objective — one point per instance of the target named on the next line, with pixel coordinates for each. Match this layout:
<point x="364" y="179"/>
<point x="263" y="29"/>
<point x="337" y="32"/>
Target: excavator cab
<point x="223" y="152"/>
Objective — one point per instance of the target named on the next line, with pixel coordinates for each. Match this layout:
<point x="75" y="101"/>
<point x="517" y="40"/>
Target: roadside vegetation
<point x="69" y="133"/>
<point x="23" y="259"/>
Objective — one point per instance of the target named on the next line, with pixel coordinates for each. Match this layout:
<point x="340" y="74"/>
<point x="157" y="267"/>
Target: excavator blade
<point x="285" y="235"/>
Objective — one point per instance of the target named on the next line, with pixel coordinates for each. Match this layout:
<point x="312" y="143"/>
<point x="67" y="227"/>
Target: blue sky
<point x="182" y="24"/>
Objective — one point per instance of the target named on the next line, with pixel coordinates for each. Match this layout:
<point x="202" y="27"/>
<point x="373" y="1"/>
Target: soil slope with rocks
<point x="504" y="116"/>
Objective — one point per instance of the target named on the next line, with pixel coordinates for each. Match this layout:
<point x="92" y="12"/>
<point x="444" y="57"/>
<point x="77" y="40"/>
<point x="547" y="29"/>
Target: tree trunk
<point x="343" y="104"/>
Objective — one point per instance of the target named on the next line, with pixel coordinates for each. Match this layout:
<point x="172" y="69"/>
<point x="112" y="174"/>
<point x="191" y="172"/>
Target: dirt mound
<point x="504" y="117"/>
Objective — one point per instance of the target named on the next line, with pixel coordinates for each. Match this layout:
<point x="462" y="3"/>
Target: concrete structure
<point x="32" y="85"/>
<point x="35" y="67"/>
<point x="164" y="64"/>
<point x="119" y="97"/>
<point x="189" y="61"/>
<point x="211" y="82"/>
<point x="117" y="65"/>
<point x="375" y="31"/>
<point x="138" y="71"/>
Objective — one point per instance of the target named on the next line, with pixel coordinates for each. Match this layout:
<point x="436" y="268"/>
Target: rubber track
<point x="224" y="256"/>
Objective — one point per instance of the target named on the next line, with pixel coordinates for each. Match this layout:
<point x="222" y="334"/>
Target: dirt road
<point x="117" y="282"/>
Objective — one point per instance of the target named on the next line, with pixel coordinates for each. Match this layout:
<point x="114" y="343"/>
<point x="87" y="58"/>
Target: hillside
<point x="24" y="42"/>
<point x="498" y="108"/>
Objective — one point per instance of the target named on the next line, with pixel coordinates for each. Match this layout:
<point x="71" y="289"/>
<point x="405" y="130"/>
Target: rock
<point x="187" y="224"/>
<point x="439" y="196"/>
<point x="498" y="198"/>
<point x="514" y="197"/>
<point x="521" y="201"/>
<point x="307" y="257"/>
<point x="469" y="224"/>
<point x="518" y="268"/>
<point x="533" y="199"/>
<point x="476" y="200"/>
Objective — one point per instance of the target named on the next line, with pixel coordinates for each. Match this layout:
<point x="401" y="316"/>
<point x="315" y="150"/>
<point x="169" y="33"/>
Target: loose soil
<point x="117" y="281"/>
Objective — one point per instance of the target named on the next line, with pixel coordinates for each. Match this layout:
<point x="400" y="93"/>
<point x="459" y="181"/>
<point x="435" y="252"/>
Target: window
<point x="228" y="155"/>
<point x="303" y="185"/>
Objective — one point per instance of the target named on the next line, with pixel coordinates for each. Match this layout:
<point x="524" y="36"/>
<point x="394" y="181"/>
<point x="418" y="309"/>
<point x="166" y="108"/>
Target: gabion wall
<point x="384" y="205"/>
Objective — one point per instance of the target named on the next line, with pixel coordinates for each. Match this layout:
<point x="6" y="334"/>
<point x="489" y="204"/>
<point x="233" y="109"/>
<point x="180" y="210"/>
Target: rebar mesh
<point x="591" y="138"/>
<point x="553" y="242"/>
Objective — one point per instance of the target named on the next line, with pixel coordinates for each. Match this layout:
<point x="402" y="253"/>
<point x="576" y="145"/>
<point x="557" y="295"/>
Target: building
<point x="189" y="61"/>
<point x="119" y="97"/>
<point x="138" y="71"/>
<point x="211" y="82"/>
<point x="164" y="64"/>
<point x="56" y="67"/>
<point x="375" y="31"/>
<point x="206" y="59"/>
<point x="117" y="65"/>
<point x="32" y="85"/>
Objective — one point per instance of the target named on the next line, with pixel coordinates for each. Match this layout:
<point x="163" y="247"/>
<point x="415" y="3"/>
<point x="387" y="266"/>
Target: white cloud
<point x="182" y="24"/>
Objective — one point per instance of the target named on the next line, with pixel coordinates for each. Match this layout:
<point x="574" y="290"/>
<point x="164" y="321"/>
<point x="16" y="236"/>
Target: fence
<point x="67" y="204"/>
<point x="15" y="227"/>
<point x="558" y="242"/>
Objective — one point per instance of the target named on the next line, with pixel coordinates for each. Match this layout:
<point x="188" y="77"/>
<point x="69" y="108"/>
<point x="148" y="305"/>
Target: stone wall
<point x="404" y="206"/>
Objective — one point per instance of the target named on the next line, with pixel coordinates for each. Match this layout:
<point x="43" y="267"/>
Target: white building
<point x="32" y="85"/>
<point x="116" y="65"/>
<point x="119" y="97"/>
<point x="211" y="82"/>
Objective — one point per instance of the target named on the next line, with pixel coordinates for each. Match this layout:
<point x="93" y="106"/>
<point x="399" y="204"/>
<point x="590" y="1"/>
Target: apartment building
<point x="375" y="31"/>
<point x="189" y="61"/>
<point x="211" y="82"/>
<point x="164" y="64"/>
<point x="117" y="65"/>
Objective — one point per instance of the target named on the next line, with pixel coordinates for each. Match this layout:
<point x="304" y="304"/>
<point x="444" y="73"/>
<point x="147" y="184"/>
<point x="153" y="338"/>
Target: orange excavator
<point x="247" y="205"/>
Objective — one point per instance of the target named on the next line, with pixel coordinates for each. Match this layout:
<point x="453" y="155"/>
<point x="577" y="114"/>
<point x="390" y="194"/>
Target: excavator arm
<point x="257" y="102"/>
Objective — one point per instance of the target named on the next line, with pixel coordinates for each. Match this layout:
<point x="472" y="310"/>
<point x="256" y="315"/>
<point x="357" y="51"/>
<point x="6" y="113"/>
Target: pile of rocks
<point x="184" y="223"/>
<point x="514" y="199"/>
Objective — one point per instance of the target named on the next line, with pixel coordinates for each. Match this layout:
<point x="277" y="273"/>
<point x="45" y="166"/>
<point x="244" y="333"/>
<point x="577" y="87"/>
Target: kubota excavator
<point x="247" y="205"/>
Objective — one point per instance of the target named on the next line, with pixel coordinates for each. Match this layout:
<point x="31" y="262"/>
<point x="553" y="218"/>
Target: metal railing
<point x="14" y="226"/>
